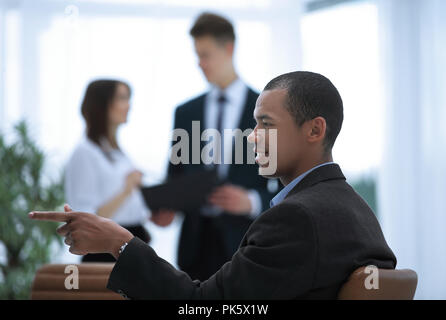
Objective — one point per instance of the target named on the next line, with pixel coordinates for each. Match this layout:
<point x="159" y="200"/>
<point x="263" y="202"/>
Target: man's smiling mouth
<point x="262" y="158"/>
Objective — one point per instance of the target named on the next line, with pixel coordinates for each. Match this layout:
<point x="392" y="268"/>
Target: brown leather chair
<point x="49" y="282"/>
<point x="393" y="285"/>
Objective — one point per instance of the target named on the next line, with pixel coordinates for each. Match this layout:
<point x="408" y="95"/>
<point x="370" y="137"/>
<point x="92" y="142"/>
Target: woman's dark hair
<point x="95" y="106"/>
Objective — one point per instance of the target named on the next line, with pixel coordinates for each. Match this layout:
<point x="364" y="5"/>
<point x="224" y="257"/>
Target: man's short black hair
<point x="311" y="95"/>
<point x="210" y="24"/>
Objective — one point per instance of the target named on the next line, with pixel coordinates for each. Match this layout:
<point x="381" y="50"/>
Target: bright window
<point x="341" y="42"/>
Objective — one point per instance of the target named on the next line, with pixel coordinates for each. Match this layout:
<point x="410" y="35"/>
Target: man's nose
<point x="252" y="136"/>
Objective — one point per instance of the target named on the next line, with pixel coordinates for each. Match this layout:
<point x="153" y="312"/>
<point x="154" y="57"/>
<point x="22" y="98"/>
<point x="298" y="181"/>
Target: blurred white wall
<point x="341" y="42"/>
<point x="413" y="171"/>
<point x="52" y="49"/>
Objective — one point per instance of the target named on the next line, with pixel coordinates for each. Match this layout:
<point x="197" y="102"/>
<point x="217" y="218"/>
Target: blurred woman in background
<point x="99" y="177"/>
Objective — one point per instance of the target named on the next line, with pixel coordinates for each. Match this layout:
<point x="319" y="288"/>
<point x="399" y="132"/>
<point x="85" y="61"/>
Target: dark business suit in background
<point x="206" y="243"/>
<point x="303" y="248"/>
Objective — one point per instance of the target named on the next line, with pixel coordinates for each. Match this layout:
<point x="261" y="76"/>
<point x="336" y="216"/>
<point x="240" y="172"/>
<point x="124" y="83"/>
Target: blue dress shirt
<point x="284" y="192"/>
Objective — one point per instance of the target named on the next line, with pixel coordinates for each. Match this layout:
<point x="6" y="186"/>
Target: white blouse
<point x="91" y="180"/>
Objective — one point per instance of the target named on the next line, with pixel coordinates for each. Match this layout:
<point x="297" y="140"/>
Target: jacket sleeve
<point x="277" y="260"/>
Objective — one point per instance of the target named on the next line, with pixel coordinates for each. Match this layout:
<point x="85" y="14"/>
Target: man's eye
<point x="266" y="124"/>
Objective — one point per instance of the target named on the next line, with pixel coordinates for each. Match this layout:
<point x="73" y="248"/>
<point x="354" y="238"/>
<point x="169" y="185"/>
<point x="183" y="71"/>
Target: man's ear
<point x="318" y="129"/>
<point x="229" y="47"/>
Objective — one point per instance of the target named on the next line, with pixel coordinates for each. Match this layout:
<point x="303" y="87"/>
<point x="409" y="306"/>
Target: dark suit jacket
<point x="303" y="248"/>
<point x="228" y="227"/>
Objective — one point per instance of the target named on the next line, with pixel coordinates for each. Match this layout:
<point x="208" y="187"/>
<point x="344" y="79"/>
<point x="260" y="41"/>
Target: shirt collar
<point x="284" y="192"/>
<point x="232" y="92"/>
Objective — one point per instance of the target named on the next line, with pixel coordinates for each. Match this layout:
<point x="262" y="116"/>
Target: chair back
<point x="58" y="282"/>
<point x="391" y="285"/>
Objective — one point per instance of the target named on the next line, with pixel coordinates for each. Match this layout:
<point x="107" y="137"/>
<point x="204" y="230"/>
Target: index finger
<point x="220" y="192"/>
<point x="50" y="216"/>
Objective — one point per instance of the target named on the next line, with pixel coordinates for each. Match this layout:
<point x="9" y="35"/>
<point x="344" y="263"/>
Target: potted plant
<point x="25" y="244"/>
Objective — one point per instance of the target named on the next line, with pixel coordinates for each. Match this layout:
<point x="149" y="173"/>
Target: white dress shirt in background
<point x="91" y="180"/>
<point x="235" y="94"/>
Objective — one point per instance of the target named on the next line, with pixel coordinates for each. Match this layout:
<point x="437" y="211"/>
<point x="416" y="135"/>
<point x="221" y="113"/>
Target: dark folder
<point x="184" y="193"/>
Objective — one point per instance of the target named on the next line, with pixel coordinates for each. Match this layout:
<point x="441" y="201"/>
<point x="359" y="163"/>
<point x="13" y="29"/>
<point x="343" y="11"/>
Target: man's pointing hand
<point x="86" y="232"/>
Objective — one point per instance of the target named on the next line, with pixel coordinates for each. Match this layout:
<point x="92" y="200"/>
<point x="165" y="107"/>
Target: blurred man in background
<point x="211" y="235"/>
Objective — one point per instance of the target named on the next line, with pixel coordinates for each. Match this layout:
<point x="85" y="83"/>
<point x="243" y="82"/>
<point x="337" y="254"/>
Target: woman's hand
<point x="132" y="181"/>
<point x="162" y="217"/>
<point x="232" y="199"/>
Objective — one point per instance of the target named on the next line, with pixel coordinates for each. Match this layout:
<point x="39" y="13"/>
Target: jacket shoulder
<point x="251" y="97"/>
<point x="253" y="93"/>
<point x="280" y="220"/>
<point x="193" y="103"/>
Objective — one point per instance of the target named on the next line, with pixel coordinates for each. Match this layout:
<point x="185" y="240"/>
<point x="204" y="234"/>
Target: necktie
<point x="221" y="101"/>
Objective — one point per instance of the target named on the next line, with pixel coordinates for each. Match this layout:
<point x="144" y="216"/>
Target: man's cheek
<point x="272" y="147"/>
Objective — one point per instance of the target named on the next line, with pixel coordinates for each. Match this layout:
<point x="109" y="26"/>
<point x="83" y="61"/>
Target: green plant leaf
<point x="22" y="190"/>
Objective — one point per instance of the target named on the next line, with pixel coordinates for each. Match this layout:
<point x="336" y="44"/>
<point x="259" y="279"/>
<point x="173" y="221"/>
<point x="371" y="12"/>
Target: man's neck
<point x="304" y="167"/>
<point x="226" y="81"/>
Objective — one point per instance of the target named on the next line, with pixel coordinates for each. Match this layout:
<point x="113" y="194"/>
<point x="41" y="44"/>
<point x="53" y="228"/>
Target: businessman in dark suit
<point x="210" y="235"/>
<point x="316" y="233"/>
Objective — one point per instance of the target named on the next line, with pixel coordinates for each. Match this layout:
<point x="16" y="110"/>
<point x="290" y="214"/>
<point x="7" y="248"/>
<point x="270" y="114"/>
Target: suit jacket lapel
<point x="200" y="116"/>
<point x="324" y="173"/>
<point x="246" y="120"/>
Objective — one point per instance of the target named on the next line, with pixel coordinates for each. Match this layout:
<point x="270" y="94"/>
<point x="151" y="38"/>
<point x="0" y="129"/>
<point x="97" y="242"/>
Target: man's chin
<point x="209" y="78"/>
<point x="267" y="171"/>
